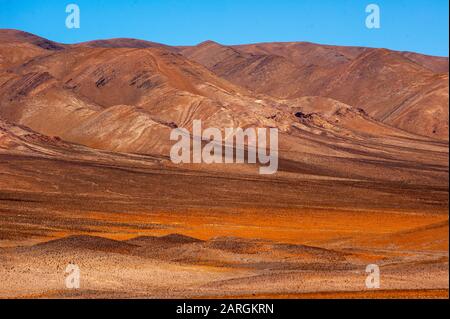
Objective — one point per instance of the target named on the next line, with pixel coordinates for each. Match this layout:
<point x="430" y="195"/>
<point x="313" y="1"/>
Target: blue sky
<point x="412" y="25"/>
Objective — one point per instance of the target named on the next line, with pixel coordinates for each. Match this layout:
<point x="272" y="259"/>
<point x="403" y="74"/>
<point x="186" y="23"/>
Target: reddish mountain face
<point x="407" y="90"/>
<point x="126" y="95"/>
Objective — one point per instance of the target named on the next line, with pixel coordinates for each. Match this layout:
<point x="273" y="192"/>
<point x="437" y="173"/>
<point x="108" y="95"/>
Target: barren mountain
<point x="379" y="81"/>
<point x="18" y="47"/>
<point x="127" y="99"/>
<point x="72" y="91"/>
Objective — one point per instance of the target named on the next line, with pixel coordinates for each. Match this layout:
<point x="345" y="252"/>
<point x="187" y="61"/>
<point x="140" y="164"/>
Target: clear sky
<point x="412" y="25"/>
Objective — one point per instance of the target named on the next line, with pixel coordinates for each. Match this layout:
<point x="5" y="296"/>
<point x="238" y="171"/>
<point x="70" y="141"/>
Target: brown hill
<point x="127" y="99"/>
<point x="21" y="139"/>
<point x="124" y="43"/>
<point x="18" y="47"/>
<point x="379" y="81"/>
<point x="78" y="92"/>
<point x="255" y="71"/>
<point x="433" y="63"/>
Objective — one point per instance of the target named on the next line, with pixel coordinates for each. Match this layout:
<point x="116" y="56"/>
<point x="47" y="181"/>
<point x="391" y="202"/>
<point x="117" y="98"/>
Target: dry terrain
<point x="86" y="178"/>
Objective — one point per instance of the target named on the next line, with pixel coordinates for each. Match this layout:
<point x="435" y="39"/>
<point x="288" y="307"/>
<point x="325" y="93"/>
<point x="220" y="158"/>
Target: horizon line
<point x="230" y="45"/>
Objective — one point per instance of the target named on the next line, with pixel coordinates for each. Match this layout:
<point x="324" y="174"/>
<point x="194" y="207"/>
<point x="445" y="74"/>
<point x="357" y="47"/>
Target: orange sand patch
<point x="376" y="294"/>
<point x="306" y="226"/>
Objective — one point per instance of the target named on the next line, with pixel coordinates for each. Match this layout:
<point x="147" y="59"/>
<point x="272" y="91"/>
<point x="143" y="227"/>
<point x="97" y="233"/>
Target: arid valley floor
<point x="85" y="176"/>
